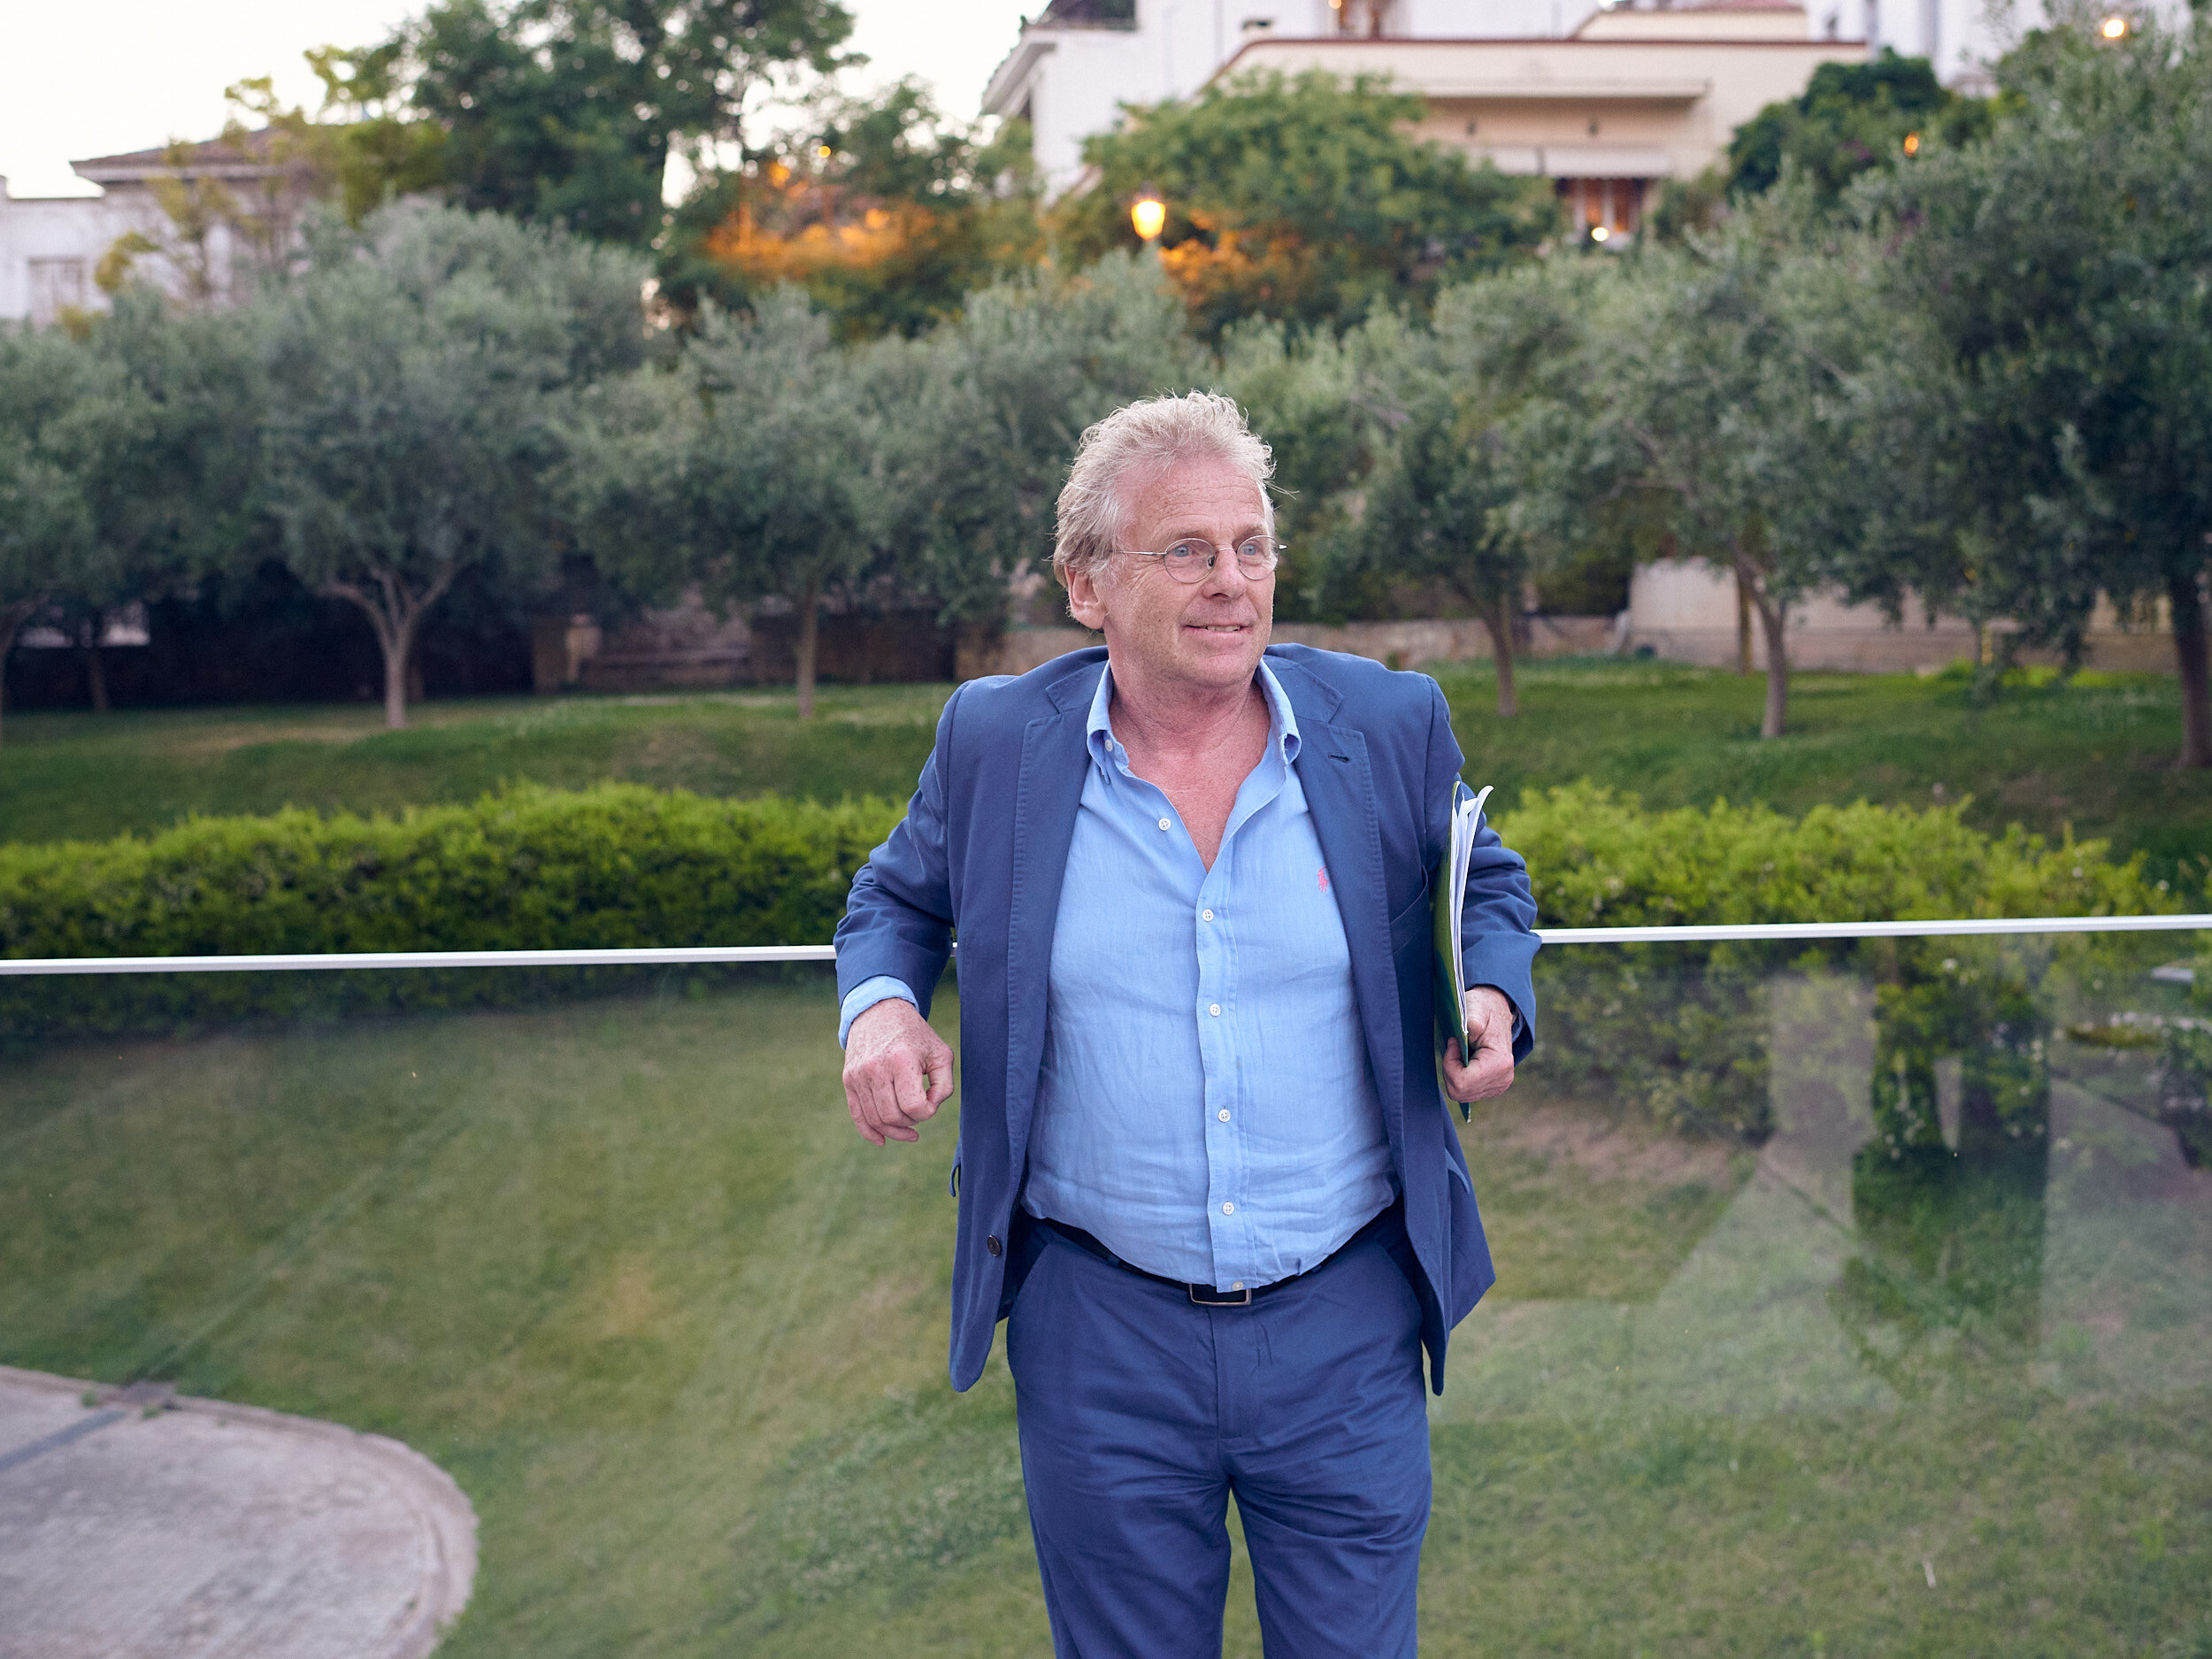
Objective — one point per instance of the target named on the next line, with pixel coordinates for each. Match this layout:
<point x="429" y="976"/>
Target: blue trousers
<point x="1140" y="1412"/>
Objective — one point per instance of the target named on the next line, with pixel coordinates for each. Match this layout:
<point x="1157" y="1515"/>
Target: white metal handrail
<point x="678" y="956"/>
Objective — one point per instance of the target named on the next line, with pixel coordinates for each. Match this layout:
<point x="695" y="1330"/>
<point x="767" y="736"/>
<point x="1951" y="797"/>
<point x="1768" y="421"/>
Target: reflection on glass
<point x="1951" y="1228"/>
<point x="1851" y="1302"/>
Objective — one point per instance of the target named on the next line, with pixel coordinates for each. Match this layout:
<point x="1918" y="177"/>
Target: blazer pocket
<point x="1413" y="922"/>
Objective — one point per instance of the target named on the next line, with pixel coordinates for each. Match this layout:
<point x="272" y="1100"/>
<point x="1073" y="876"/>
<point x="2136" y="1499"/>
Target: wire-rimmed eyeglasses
<point x="1189" y="560"/>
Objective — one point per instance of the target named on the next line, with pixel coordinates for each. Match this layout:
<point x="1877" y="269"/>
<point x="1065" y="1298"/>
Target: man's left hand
<point x="1490" y="1029"/>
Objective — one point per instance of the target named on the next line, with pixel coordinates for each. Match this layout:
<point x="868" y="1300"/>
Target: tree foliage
<point x="2063" y="268"/>
<point x="170" y="487"/>
<point x="67" y="417"/>
<point x="416" y="380"/>
<point x="885" y="213"/>
<point x="1302" y="199"/>
<point x="779" y="476"/>
<point x="987" y="410"/>
<point x="567" y="111"/>
<point x="1852" y="117"/>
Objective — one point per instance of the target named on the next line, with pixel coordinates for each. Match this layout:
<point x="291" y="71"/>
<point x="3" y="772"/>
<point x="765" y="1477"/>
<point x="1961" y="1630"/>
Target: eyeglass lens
<point x="1189" y="561"/>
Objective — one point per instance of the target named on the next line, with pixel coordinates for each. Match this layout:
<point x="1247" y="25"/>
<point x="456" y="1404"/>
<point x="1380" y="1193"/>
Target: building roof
<point x="234" y="156"/>
<point x="1107" y="15"/>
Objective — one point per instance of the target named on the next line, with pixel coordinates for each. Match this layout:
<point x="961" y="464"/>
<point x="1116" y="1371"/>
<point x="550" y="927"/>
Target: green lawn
<point x="625" y="1270"/>
<point x="2096" y="755"/>
<point x="65" y="776"/>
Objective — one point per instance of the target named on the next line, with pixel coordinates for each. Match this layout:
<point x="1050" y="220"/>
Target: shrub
<point x="1680" y="1032"/>
<point x="526" y="869"/>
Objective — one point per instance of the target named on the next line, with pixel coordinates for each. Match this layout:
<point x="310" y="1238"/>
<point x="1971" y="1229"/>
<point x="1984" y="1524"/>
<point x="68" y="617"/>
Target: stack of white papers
<point x="1450" y="887"/>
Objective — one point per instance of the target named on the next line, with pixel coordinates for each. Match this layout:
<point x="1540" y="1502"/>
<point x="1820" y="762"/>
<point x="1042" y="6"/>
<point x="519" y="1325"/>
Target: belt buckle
<point x="1219" y="1299"/>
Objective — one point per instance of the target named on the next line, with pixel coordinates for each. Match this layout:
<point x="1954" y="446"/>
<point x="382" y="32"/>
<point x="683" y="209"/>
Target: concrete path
<point x="144" y="1525"/>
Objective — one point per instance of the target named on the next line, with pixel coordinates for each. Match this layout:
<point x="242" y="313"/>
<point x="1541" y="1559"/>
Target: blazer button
<point x="991" y="1244"/>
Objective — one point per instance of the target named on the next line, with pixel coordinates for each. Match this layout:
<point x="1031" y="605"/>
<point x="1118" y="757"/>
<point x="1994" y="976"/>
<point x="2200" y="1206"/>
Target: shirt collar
<point x="1107" y="754"/>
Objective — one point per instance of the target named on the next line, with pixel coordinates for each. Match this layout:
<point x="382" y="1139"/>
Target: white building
<point x="1604" y="99"/>
<point x="51" y="247"/>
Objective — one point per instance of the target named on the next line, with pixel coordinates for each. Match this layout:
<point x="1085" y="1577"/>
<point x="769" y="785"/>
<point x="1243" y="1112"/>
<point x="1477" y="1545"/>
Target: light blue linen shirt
<point x="1205" y="1105"/>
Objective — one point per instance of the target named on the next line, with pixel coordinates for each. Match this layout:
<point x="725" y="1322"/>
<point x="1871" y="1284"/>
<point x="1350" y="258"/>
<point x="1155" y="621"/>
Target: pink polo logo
<point x="1321" y="876"/>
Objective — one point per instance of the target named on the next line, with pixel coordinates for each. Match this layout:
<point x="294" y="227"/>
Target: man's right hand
<point x="897" y="1071"/>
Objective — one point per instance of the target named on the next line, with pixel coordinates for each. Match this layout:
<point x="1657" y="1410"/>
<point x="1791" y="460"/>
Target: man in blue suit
<point x="1204" y="1170"/>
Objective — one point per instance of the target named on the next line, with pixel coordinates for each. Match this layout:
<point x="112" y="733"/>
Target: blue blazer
<point x="982" y="852"/>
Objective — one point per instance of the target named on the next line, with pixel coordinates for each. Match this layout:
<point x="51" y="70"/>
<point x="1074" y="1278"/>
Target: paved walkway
<point x="144" y="1524"/>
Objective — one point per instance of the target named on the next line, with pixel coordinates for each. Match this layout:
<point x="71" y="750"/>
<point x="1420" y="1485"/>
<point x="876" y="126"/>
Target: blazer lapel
<point x="1046" y="798"/>
<point x="1333" y="770"/>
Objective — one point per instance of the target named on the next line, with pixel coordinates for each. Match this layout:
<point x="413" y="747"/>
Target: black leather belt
<point x="1206" y="1295"/>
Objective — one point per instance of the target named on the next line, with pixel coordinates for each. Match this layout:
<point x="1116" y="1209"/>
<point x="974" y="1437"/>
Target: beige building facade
<point x="1631" y="99"/>
<point x="1606" y="100"/>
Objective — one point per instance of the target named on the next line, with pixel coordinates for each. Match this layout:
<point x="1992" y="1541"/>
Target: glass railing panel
<point x="1849" y="1299"/>
<point x="1905" y="1344"/>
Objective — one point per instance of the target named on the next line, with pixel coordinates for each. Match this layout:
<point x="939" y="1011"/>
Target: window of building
<point x="1615" y="206"/>
<point x="1370" y="17"/>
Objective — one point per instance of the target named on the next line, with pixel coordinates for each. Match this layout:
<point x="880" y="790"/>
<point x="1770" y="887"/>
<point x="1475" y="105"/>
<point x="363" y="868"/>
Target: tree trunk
<point x="810" y="637"/>
<point x="1497" y="622"/>
<point x="1773" y="620"/>
<point x="2186" y="593"/>
<point x="396" y="646"/>
<point x="11" y="619"/>
<point x="1743" y="627"/>
<point x="96" y="673"/>
<point x="396" y="615"/>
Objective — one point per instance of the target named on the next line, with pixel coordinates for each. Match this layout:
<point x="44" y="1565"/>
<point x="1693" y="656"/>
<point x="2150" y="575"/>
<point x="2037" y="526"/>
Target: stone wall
<point x="1684" y="611"/>
<point x="691" y="648"/>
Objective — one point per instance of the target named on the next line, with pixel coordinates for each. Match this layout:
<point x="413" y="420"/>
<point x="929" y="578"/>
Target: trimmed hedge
<point x="1680" y="1034"/>
<point x="526" y="869"/>
<point x="1598" y="860"/>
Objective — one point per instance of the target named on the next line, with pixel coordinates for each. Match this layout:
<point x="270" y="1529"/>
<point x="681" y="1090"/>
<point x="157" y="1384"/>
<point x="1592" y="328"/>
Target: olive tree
<point x="417" y="376"/>
<point x="778" y="486"/>
<point x="175" y="497"/>
<point x="67" y="419"/>
<point x="980" y="418"/>
<point x="2062" y="272"/>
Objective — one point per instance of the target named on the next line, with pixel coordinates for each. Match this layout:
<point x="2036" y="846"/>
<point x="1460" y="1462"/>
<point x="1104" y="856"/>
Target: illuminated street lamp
<point x="1147" y="214"/>
<point x="2114" y="27"/>
<point x="1598" y="232"/>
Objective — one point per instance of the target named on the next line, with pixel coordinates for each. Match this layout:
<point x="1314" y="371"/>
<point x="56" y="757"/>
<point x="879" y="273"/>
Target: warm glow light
<point x="2113" y="29"/>
<point x="822" y="151"/>
<point x="1148" y="215"/>
<point x="1598" y="232"/>
<point x="1912" y="143"/>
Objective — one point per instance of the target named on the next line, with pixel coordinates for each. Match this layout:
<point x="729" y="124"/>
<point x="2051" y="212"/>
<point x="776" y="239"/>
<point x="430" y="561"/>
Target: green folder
<point x="1450" y="888"/>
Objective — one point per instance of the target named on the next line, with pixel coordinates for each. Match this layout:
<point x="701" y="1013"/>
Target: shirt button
<point x="1162" y="823"/>
<point x="1228" y="1210"/>
<point x="1224" y="1114"/>
<point x="1215" y="1009"/>
<point x="1205" y="916"/>
<point x="1238" y="1285"/>
<point x="991" y="1244"/>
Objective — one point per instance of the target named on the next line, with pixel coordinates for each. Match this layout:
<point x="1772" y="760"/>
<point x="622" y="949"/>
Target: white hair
<point x="1137" y="445"/>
